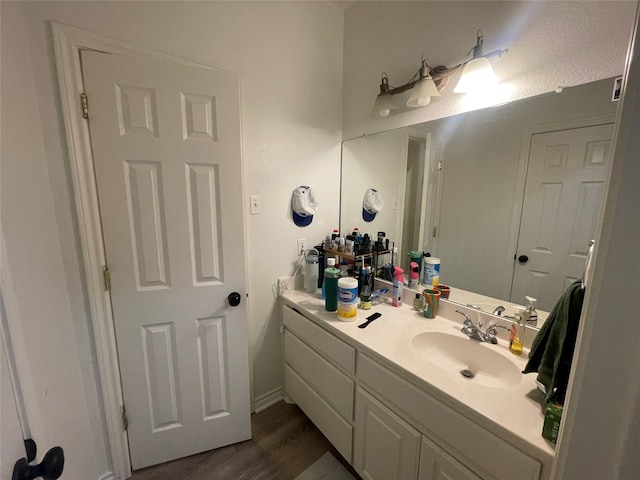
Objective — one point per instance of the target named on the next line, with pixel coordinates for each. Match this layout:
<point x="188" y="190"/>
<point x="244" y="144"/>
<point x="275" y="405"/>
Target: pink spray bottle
<point x="414" y="274"/>
<point x="398" y="286"/>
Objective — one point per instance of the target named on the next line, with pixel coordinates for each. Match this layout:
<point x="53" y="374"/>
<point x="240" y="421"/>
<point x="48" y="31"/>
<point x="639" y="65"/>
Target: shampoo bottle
<point x="398" y="286"/>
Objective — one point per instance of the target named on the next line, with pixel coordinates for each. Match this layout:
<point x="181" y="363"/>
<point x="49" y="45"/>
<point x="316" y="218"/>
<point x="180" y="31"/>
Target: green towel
<point x="552" y="350"/>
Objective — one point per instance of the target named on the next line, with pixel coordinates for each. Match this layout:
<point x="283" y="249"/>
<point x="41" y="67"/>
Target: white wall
<point x="366" y="163"/>
<point x="599" y="437"/>
<point x="289" y="55"/>
<point x="550" y="44"/>
<point x="51" y="345"/>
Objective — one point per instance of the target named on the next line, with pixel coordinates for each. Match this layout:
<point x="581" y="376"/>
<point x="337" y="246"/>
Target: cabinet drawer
<point x="337" y="430"/>
<point x="486" y="454"/>
<point x="336" y="350"/>
<point x="330" y="382"/>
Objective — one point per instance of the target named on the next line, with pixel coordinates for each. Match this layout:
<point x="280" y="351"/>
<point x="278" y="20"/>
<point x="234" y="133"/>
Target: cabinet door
<point x="385" y="446"/>
<point x="436" y="464"/>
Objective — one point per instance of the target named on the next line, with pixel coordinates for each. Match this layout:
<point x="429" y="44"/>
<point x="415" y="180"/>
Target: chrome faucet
<point x="474" y="331"/>
<point x="470" y="329"/>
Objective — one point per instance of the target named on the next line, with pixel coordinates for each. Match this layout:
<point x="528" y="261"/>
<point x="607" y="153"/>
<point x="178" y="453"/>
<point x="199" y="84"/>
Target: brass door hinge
<point x="106" y="273"/>
<point x="125" y="420"/>
<point x="84" y="102"/>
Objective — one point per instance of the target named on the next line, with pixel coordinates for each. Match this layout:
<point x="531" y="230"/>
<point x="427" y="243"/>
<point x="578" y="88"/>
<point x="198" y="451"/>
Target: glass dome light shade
<point x="423" y="93"/>
<point x="476" y="75"/>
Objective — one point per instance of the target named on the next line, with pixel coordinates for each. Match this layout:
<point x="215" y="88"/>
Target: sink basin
<point x="478" y="362"/>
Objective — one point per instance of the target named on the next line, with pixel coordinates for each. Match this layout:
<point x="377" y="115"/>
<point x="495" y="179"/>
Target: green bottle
<point x="331" y="275"/>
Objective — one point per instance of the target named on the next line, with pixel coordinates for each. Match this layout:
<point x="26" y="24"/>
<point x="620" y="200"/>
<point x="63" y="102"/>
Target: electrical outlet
<point x="300" y="246"/>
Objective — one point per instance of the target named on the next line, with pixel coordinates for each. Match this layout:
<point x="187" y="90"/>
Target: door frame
<point x="68" y="42"/>
<point x="521" y="180"/>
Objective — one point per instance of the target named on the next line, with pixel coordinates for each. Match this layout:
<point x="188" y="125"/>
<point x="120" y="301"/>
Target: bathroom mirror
<point x="507" y="197"/>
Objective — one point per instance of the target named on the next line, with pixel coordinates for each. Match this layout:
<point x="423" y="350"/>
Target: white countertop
<point x="515" y="414"/>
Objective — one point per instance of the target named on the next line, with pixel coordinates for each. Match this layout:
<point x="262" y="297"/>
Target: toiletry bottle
<point x="311" y="270"/>
<point x="532" y="315"/>
<point x="335" y="239"/>
<point x="331" y="275"/>
<point x="331" y="263"/>
<point x="398" y="287"/>
<point x="365" y="290"/>
<point x="418" y="303"/>
<point x="517" y="333"/>
<point x="414" y="273"/>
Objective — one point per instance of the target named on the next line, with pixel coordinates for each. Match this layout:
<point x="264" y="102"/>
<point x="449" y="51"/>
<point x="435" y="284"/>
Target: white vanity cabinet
<point x="318" y="376"/>
<point x="385" y="446"/>
<point x="388" y="448"/>
<point x="436" y="464"/>
<point x="381" y="419"/>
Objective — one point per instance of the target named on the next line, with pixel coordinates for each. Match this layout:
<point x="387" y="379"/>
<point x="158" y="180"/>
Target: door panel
<point x="436" y="464"/>
<point x="166" y="141"/>
<point x="563" y="196"/>
<point x="385" y="447"/>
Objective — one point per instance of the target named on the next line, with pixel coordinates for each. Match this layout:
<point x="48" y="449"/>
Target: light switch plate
<point x="255" y="203"/>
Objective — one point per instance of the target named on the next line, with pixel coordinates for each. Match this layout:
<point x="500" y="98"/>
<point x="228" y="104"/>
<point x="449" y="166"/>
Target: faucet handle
<point x="492" y="329"/>
<point x="467" y="319"/>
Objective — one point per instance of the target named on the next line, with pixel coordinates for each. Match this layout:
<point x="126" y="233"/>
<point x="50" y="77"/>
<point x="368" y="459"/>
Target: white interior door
<point x="11" y="443"/>
<point x="431" y="201"/>
<point x="166" y="144"/>
<point x="563" y="196"/>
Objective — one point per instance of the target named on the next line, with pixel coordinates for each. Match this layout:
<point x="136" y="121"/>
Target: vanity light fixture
<point x="384" y="104"/>
<point x="477" y="73"/>
<point x="426" y="84"/>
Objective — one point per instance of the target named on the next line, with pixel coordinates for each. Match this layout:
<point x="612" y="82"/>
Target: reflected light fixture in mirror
<point x="425" y="89"/>
<point x="425" y="85"/>
<point x="477" y="73"/>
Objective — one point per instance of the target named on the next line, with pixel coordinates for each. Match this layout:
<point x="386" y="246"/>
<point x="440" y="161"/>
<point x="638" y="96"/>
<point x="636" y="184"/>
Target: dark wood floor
<point x="284" y="444"/>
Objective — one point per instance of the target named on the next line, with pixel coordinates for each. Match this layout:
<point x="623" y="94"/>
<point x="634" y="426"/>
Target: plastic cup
<point x="444" y="290"/>
<point x="431" y="300"/>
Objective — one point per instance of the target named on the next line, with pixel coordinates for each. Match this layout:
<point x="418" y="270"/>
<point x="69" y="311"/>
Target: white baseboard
<point x="268" y="399"/>
<point x="107" y="476"/>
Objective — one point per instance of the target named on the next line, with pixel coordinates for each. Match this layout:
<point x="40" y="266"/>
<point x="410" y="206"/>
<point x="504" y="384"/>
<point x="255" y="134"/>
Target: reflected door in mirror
<point x="563" y="197"/>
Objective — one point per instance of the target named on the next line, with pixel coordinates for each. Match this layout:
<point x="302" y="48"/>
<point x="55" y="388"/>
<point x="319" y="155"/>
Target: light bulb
<point x="384" y="112"/>
<point x="424" y="101"/>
